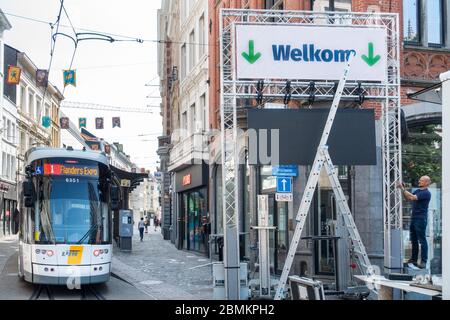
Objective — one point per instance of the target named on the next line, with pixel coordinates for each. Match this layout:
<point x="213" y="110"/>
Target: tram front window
<point x="71" y="210"/>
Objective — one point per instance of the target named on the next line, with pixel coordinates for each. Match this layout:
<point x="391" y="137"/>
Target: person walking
<point x="146" y="223"/>
<point x="155" y="222"/>
<point x="141" y="227"/>
<point x="419" y="218"/>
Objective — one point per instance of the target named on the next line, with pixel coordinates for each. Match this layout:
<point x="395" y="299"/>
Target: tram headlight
<point x="50" y="253"/>
<point x="106" y="251"/>
<point x="96" y="253"/>
<point x="44" y="251"/>
<point x="38" y="251"/>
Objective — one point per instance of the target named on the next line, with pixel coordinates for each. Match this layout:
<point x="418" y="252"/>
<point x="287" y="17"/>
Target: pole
<point x="445" y="78"/>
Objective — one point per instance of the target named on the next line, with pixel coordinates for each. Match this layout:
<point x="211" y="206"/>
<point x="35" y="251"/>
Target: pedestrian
<point x="141" y="226"/>
<point x="155" y="222"/>
<point x="419" y="218"/>
<point x="147" y="222"/>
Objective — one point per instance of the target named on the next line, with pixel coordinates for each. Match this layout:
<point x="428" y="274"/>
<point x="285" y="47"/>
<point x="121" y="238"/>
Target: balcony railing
<point x="188" y="149"/>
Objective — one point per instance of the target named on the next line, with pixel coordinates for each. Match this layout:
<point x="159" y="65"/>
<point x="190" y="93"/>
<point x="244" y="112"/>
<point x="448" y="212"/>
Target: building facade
<point x="144" y="200"/>
<point x="24" y="105"/>
<point x="184" y="25"/>
<point x="8" y="144"/>
<point x="424" y="55"/>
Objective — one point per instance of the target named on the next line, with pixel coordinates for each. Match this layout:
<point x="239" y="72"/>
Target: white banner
<point x="310" y="52"/>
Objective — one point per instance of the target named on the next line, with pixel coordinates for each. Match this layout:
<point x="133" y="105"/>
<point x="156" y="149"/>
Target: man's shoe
<point x="422" y="265"/>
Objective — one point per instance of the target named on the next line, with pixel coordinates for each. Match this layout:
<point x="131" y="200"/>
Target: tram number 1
<point x="72" y="180"/>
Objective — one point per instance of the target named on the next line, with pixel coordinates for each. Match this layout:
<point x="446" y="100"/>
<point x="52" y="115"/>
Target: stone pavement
<point x="161" y="271"/>
<point x="8" y="247"/>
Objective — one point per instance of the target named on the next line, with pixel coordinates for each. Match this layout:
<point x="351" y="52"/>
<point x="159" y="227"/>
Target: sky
<point x="122" y="74"/>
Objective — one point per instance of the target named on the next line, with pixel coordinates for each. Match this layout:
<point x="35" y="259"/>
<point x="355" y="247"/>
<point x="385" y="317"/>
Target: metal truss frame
<point x="233" y="89"/>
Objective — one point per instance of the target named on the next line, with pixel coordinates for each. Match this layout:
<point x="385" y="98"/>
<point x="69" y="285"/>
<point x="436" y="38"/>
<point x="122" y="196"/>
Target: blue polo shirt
<point x="420" y="207"/>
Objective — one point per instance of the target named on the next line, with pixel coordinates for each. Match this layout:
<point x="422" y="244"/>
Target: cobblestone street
<point x="157" y="268"/>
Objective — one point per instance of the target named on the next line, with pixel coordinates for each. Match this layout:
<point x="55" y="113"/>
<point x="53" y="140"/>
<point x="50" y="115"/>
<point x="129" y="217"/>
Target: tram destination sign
<point x="310" y="52"/>
<point x="70" y="170"/>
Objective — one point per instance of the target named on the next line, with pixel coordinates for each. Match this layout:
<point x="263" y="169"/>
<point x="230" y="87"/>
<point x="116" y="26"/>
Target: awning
<point x="431" y="94"/>
<point x="134" y="179"/>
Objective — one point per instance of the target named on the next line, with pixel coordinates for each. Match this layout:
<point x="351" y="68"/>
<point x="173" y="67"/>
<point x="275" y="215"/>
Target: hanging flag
<point x="41" y="78"/>
<point x="13" y="76"/>
<point x="116" y="122"/>
<point x="82" y="122"/>
<point x="98" y="123"/>
<point x="70" y="77"/>
<point x="64" y="122"/>
<point x="46" y="121"/>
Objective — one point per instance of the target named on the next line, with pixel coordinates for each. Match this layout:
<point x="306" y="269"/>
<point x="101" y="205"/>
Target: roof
<point x="43" y="152"/>
<point x="4" y="23"/>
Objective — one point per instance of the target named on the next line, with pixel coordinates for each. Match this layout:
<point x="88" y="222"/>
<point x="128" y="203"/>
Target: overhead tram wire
<point x="128" y="38"/>
<point x="94" y="106"/>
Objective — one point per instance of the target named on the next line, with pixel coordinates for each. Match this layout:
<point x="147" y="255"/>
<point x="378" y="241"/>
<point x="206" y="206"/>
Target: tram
<point x="65" y="229"/>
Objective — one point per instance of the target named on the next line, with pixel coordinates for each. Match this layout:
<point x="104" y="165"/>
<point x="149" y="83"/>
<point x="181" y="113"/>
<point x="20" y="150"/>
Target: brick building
<point x="425" y="53"/>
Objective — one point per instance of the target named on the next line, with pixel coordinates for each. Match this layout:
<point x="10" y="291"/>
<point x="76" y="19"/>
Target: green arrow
<point x="251" y="57"/>
<point x="371" y="60"/>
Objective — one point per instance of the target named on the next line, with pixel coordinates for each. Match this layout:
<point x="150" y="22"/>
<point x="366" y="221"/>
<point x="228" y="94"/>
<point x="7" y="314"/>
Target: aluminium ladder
<point x="321" y="160"/>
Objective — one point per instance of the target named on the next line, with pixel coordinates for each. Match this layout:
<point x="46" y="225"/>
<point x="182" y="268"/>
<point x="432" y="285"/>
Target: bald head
<point x="424" y="182"/>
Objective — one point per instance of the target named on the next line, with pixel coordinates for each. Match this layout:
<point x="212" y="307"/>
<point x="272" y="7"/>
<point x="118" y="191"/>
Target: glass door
<point x="281" y="243"/>
<point x="325" y="218"/>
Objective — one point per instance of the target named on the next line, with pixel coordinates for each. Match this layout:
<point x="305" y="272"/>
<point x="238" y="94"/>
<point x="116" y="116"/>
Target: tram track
<point x="37" y="292"/>
<point x="46" y="292"/>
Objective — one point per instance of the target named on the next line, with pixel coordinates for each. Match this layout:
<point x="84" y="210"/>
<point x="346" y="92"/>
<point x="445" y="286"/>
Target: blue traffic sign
<point x="284" y="184"/>
<point x="285" y="171"/>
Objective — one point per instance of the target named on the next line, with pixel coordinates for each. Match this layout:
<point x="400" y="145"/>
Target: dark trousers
<point x="141" y="233"/>
<point x="417" y="232"/>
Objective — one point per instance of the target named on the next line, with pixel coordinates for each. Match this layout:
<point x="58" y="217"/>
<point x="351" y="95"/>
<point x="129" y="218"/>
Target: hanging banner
<point x="82" y="123"/>
<point x="116" y="122"/>
<point x="99" y="123"/>
<point x="107" y="149"/>
<point x="46" y="121"/>
<point x="41" y="78"/>
<point x="70" y="78"/>
<point x="64" y="122"/>
<point x="13" y="75"/>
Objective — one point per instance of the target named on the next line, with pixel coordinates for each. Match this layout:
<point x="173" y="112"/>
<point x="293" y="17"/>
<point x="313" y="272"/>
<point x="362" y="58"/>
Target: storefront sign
<point x="194" y="176"/>
<point x="186" y="180"/>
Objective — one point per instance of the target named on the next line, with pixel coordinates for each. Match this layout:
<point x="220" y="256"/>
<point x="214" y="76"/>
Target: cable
<point x="134" y="39"/>
<point x="52" y="51"/>
<point x="93" y="106"/>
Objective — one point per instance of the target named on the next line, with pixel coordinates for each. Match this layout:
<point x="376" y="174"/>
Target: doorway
<point x="278" y="240"/>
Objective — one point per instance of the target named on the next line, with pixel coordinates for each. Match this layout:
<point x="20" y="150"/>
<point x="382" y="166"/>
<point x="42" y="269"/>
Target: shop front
<point x="194" y="226"/>
<point x="8" y="205"/>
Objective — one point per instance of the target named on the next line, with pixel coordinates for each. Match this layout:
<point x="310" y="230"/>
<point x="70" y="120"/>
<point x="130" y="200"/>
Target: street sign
<point x="284" y="197"/>
<point x="285" y="171"/>
<point x="310" y="52"/>
<point x="284" y="184"/>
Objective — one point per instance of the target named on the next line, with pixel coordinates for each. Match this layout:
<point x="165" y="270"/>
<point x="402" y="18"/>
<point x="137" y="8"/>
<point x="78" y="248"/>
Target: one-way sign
<point x="284" y="185"/>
